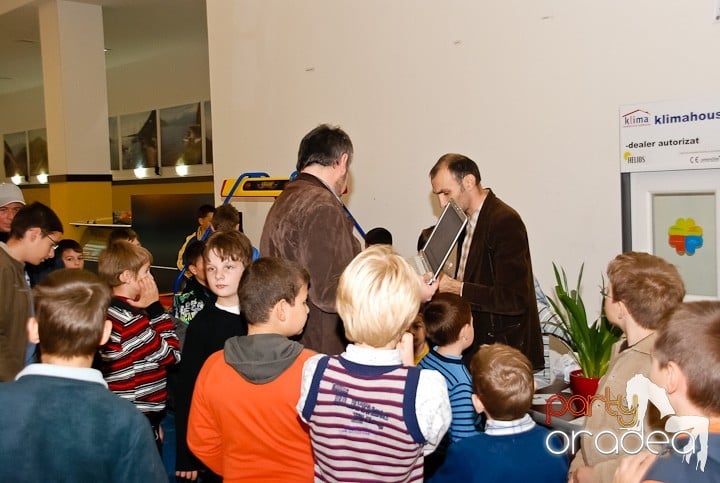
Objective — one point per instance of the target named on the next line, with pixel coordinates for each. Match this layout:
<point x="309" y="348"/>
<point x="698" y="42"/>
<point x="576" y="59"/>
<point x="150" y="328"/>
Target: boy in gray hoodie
<point x="243" y="424"/>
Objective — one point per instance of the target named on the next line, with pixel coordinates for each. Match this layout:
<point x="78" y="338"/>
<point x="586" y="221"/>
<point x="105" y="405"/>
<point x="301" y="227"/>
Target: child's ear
<point x="675" y="379"/>
<point x="126" y="276"/>
<point x="107" y="328"/>
<point x="281" y="310"/>
<point x="33" y="233"/>
<point x="32" y="330"/>
<point x="193" y="269"/>
<point x="477" y="404"/>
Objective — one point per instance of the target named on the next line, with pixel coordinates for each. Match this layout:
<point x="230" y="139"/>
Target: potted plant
<point x="590" y="343"/>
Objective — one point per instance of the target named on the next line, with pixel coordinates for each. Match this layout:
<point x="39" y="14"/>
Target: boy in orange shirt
<point x="243" y="424"/>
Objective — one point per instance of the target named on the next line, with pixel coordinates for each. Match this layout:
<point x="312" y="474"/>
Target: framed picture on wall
<point x="38" y="150"/>
<point x="114" y="145"/>
<point x="181" y="135"/>
<point x="16" y="154"/>
<point x="208" y="133"/>
<point x="675" y="215"/>
<point x="139" y="140"/>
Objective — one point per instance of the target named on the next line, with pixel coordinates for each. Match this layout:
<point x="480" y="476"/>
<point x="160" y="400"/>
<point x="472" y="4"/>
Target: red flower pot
<point x="583" y="386"/>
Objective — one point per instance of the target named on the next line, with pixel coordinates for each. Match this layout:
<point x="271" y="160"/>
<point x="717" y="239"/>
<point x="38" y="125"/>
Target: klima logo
<point x="640" y="390"/>
<point x="635" y="118"/>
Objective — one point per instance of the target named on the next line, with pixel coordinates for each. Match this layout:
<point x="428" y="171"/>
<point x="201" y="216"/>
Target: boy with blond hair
<point x="513" y="447"/>
<point x="59" y="421"/>
<point x="686" y="364"/>
<point x="243" y="406"/>
<point x="370" y="416"/>
<point x="225" y="257"/>
<point x="143" y="342"/>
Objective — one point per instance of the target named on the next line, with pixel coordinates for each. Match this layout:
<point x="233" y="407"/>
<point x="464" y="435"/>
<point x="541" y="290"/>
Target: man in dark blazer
<point x="494" y="270"/>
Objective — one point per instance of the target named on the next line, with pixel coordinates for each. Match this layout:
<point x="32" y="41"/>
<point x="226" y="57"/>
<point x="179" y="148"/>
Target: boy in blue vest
<point x="513" y="447"/>
<point x="59" y="420"/>
<point x="371" y="417"/>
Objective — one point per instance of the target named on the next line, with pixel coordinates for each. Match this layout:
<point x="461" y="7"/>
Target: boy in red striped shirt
<point x="143" y="341"/>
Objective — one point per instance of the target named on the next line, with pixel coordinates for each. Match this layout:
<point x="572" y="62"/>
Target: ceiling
<point x="134" y="29"/>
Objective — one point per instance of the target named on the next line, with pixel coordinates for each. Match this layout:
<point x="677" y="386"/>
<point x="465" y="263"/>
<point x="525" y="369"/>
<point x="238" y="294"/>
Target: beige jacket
<point x="623" y="365"/>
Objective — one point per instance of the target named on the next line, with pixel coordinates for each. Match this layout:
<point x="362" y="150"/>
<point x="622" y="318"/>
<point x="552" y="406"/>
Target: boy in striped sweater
<point x="142" y="342"/>
<point x="372" y="418"/>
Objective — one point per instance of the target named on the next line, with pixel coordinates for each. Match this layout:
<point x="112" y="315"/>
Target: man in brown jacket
<point x="494" y="271"/>
<point x="308" y="224"/>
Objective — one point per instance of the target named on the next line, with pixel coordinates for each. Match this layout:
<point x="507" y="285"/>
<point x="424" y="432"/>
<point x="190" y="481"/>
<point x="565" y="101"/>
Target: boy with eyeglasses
<point x="34" y="234"/>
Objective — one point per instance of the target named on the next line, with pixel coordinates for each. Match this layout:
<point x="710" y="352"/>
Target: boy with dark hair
<point x="195" y="295"/>
<point x="378" y="236"/>
<point x="123" y="234"/>
<point x="143" y="342"/>
<point x="259" y="375"/>
<point x="370" y="416"/>
<point x="204" y="218"/>
<point x="513" y="447"/>
<point x="448" y="321"/>
<point x="686" y="364"/>
<point x="69" y="254"/>
<point x="226" y="255"/>
<point x="59" y="421"/>
<point x="34" y="233"/>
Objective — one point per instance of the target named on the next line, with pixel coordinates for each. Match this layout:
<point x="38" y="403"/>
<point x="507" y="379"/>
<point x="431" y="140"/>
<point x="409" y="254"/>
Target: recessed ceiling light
<point x="107" y="50"/>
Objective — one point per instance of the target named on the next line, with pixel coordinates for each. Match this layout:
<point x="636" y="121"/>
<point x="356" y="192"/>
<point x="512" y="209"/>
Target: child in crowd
<point x="226" y="218"/>
<point x="195" y="295"/>
<point x="378" y="236"/>
<point x="123" y="234"/>
<point x="226" y="255"/>
<point x="69" y="254"/>
<point x="371" y="417"/>
<point x="420" y="345"/>
<point x="686" y="364"/>
<point x="204" y="218"/>
<point x="642" y="290"/>
<point x="143" y="342"/>
<point x="513" y="447"/>
<point x="34" y="233"/>
<point x="59" y="421"/>
<point x="243" y="423"/>
<point x="448" y="321"/>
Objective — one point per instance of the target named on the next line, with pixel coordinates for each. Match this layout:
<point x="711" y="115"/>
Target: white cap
<point x="10" y="193"/>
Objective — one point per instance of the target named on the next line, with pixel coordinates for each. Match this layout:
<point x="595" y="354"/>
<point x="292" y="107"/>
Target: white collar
<point x="86" y="374"/>
<point x="501" y="428"/>
<point x="371" y="356"/>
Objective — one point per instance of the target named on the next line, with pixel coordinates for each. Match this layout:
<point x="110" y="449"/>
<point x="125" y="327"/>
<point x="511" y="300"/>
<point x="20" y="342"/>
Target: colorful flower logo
<point x="685" y="236"/>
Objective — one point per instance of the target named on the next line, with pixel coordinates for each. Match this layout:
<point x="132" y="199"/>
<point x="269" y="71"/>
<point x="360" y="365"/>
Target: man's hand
<point x="450" y="285"/>
<point x="427" y="289"/>
<point x="148" y="293"/>
<point x="633" y="468"/>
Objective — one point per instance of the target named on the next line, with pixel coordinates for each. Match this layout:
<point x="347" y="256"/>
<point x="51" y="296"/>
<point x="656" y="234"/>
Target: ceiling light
<point x="42" y="178"/>
<point x="17" y="179"/>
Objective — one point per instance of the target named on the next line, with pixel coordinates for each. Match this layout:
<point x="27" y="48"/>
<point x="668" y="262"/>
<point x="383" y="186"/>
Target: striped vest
<point x="363" y="425"/>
